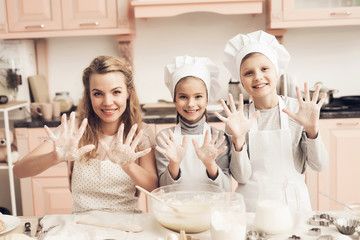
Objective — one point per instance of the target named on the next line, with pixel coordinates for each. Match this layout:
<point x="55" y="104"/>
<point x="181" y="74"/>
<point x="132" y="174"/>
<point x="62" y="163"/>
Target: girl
<point x="192" y="151"/>
<point x="266" y="141"/>
<point x="112" y="154"/>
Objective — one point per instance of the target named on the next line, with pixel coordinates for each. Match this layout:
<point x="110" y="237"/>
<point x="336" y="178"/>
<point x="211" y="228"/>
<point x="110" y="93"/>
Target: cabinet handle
<point x="340" y="13"/>
<point x="89" y="24"/>
<point x="347" y="124"/>
<point x="35" y="26"/>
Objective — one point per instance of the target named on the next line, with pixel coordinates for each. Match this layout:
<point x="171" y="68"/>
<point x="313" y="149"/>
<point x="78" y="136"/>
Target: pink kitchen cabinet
<point x="80" y="14"/>
<point x="165" y="8"/>
<point x="341" y="179"/>
<point x="309" y="13"/>
<point x="48" y="192"/>
<point x="59" y="18"/>
<point x="39" y="15"/>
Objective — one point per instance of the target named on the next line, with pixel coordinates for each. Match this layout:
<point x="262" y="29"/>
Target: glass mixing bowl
<point x="193" y="202"/>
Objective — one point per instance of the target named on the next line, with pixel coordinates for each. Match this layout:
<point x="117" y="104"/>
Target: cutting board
<point x="39" y="88"/>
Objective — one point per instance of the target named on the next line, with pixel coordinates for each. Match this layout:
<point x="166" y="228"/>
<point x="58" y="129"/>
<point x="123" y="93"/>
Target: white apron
<point x="192" y="168"/>
<point x="102" y="185"/>
<point x="271" y="153"/>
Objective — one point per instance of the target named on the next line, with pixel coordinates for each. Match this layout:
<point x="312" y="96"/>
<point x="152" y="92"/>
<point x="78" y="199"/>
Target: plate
<point x="11" y="222"/>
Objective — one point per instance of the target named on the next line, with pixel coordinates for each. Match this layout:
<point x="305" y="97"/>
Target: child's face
<point x="191" y="99"/>
<point x="258" y="76"/>
<point x="108" y="94"/>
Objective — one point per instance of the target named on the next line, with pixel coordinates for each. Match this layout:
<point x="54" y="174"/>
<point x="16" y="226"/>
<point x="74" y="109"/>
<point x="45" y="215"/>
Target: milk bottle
<point x="273" y="214"/>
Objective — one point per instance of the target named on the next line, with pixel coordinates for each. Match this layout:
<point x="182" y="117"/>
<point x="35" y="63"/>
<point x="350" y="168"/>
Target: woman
<point x="110" y="153"/>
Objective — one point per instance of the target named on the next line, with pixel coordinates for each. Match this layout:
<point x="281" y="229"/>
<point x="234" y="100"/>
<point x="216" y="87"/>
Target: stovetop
<point x="346" y="103"/>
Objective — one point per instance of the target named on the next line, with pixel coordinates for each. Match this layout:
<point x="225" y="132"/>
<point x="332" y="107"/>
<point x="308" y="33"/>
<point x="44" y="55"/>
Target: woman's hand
<point x="124" y="153"/>
<point x="236" y="122"/>
<point x="208" y="152"/>
<point x="172" y="150"/>
<point x="66" y="145"/>
<point x="309" y="111"/>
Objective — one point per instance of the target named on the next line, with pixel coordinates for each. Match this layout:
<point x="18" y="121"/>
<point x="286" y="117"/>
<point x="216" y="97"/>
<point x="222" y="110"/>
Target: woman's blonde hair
<point x="132" y="113"/>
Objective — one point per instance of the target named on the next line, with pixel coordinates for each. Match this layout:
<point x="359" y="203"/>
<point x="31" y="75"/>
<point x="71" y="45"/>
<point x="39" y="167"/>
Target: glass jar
<point x="65" y="100"/>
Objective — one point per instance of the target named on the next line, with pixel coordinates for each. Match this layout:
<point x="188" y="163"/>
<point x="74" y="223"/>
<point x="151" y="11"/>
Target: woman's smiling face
<point x="108" y="96"/>
<point x="191" y="99"/>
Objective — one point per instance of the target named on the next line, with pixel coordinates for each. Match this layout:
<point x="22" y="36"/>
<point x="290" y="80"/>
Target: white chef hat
<point x="259" y="41"/>
<point x="201" y="67"/>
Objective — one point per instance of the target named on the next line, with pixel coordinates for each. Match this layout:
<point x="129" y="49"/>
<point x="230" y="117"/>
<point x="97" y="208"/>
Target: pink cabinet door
<point x="299" y="13"/>
<point x="341" y="180"/>
<point x="48" y="192"/>
<point x="89" y="14"/>
<point x="51" y="192"/>
<point x="34" y="15"/>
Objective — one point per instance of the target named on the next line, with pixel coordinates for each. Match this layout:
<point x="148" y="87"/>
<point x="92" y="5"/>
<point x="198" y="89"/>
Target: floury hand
<point x="66" y="145"/>
<point x="124" y="153"/>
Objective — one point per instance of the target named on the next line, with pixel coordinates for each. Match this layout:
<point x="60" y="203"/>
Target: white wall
<point x="327" y="54"/>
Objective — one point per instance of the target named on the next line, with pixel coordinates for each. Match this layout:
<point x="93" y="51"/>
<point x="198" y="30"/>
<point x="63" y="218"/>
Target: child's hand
<point x="208" y="152"/>
<point x="172" y="150"/>
<point x="124" y="153"/>
<point x="236" y="122"/>
<point x="66" y="145"/>
<point x="309" y="111"/>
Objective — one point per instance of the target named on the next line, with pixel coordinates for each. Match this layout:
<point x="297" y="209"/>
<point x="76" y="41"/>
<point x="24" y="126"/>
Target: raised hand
<point x="171" y="148"/>
<point x="235" y="121"/>
<point x="66" y="145"/>
<point x="208" y="152"/>
<point x="309" y="110"/>
<point x="124" y="153"/>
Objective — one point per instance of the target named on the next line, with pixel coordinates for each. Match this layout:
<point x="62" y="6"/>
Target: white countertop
<point x="68" y="228"/>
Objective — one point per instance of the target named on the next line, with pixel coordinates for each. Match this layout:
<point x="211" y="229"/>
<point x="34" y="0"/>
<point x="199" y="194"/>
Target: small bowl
<point x="346" y="226"/>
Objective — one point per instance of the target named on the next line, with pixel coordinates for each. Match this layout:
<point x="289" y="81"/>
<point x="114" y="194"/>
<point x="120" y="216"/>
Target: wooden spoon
<point x="157" y="198"/>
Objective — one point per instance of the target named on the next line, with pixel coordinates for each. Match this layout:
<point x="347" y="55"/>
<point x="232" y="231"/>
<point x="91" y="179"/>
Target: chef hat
<point x="201" y="67"/>
<point x="241" y="45"/>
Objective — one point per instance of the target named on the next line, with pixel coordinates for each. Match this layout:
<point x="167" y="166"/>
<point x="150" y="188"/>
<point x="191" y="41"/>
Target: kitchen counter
<point x="170" y="117"/>
<point x="66" y="226"/>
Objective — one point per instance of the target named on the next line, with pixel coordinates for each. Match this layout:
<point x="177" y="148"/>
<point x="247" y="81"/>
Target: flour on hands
<point x="121" y="152"/>
<point x="66" y="145"/>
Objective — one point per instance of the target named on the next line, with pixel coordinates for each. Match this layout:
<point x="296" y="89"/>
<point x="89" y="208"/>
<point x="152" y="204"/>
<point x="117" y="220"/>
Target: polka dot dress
<point x="100" y="184"/>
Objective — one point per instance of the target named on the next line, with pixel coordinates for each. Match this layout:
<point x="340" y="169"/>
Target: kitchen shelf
<point x="166" y="8"/>
<point x="5" y="109"/>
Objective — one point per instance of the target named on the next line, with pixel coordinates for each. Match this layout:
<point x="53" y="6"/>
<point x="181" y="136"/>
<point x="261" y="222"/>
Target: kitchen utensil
<point x="193" y="201"/>
<point x="350" y="100"/>
<point x="314" y="231"/>
<point x="27" y="230"/>
<point x="318" y="222"/>
<point x="39" y="88"/>
<point x="156" y="198"/>
<point x="357" y="230"/>
<point x="127" y="227"/>
<point x="346" y="226"/>
<point x="323" y="90"/>
<point x="273" y="213"/>
<point x="342" y="204"/>
<point x="228" y="217"/>
<point x="3" y="99"/>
